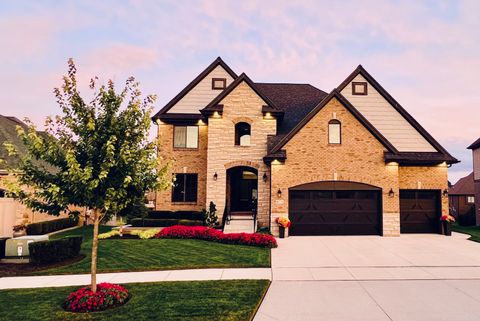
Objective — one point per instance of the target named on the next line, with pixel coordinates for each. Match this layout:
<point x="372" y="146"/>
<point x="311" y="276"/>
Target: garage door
<point x="334" y="212"/>
<point x="419" y="211"/>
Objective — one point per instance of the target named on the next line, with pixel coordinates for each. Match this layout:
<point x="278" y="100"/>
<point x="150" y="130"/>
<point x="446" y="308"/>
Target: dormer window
<point x="242" y="134"/>
<point x="219" y="83"/>
<point x="334" y="132"/>
<point x="359" y="88"/>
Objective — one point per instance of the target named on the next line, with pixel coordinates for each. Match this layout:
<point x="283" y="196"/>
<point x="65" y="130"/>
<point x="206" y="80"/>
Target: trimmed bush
<point x="50" y="226"/>
<point x="148" y="222"/>
<point x="467" y="219"/>
<point x="3" y="240"/>
<point x="46" y="252"/>
<point x="178" y="215"/>
<point x="107" y="296"/>
<point x="210" y="234"/>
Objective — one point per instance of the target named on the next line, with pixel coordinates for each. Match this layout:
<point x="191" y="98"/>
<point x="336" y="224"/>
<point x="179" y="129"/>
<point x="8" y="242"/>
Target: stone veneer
<point x="223" y="154"/>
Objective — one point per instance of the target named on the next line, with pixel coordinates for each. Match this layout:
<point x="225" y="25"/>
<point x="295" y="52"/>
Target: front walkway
<point x="412" y="277"/>
<point x="20" y="282"/>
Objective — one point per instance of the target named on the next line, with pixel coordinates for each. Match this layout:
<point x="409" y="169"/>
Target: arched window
<point x="334" y="132"/>
<point x="242" y="134"/>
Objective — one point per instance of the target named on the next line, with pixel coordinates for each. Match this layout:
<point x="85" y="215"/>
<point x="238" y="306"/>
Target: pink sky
<point x="425" y="53"/>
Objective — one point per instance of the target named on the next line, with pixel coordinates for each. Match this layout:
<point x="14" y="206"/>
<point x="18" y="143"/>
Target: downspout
<point x="270" y="201"/>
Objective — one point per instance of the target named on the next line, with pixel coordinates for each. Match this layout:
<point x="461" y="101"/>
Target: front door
<point x="243" y="190"/>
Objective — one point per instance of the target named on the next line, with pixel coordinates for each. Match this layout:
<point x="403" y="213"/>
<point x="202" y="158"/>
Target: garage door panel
<point x="334" y="212"/>
<point x="419" y="211"/>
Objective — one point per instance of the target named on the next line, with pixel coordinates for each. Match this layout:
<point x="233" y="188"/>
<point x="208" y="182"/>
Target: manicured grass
<point x="474" y="231"/>
<point x="198" y="300"/>
<point x="160" y="254"/>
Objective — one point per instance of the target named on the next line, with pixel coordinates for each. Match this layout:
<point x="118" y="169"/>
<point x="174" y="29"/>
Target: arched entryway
<point x="242" y="189"/>
<point x="335" y="208"/>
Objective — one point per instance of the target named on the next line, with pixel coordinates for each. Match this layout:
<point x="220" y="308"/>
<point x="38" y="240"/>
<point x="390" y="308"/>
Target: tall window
<point x="185" y="137"/>
<point x="334" y="132"/>
<point x="185" y="188"/>
<point x="242" y="134"/>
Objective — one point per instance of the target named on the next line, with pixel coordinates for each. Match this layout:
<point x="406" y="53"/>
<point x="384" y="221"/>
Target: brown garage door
<point x="419" y="211"/>
<point x="330" y="212"/>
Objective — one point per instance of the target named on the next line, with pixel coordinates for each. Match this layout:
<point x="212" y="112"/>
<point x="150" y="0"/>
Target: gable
<point x="386" y="119"/>
<point x="201" y="94"/>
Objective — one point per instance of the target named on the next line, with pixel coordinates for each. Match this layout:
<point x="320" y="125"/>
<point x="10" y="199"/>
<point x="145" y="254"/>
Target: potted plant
<point x="447" y="221"/>
<point x="283" y="223"/>
<point x="19" y="230"/>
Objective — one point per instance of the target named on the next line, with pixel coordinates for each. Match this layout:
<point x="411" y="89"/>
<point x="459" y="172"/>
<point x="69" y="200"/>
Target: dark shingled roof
<point x="8" y="134"/>
<point x="475" y="144"/>
<point x="464" y="186"/>
<point x="296" y="100"/>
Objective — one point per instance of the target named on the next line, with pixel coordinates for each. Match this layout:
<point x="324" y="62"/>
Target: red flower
<point x="107" y="295"/>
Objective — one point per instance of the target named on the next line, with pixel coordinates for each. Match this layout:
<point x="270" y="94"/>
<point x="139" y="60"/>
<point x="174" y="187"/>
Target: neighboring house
<point x="351" y="161"/>
<point x="461" y="199"/>
<point x="475" y="147"/>
<point x="11" y="211"/>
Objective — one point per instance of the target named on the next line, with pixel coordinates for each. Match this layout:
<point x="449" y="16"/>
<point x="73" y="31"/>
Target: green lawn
<point x="474" y="231"/>
<point x="198" y="300"/>
<point x="160" y="254"/>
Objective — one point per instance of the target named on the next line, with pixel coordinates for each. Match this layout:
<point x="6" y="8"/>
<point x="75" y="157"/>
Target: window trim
<point x="359" y="83"/>
<point x="186" y="148"/>
<point x="336" y="122"/>
<point x="185" y="175"/>
<point x="239" y="137"/>
<point x="223" y="80"/>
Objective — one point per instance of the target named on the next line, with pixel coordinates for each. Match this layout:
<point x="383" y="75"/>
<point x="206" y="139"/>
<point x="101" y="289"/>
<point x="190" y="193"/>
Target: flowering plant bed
<point x="211" y="234"/>
<point x="107" y="296"/>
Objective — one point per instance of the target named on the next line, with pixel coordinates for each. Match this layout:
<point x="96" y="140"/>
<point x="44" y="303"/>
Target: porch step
<point x="240" y="226"/>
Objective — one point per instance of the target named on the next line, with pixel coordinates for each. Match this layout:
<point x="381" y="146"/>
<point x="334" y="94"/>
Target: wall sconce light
<point x="445" y="193"/>
<point x="279" y="193"/>
<point x="391" y="193"/>
<point x="265" y="177"/>
<point x="215" y="176"/>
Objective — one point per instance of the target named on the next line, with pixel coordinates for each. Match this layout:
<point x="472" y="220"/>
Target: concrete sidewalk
<point x="21" y="282"/>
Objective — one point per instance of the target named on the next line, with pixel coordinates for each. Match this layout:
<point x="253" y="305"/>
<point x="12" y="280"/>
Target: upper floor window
<point x="359" y="88"/>
<point x="185" y="188"/>
<point x="242" y="134"/>
<point x="334" y="132"/>
<point x="470" y="199"/>
<point x="219" y="83"/>
<point x="185" y="137"/>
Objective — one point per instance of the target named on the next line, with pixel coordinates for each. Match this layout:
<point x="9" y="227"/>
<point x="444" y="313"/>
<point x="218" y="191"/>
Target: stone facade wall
<point x="359" y="158"/>
<point x="184" y="161"/>
<point x="242" y="104"/>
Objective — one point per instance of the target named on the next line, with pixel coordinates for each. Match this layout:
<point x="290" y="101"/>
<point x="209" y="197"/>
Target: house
<point x="13" y="212"/>
<point x="461" y="199"/>
<point x="475" y="147"/>
<point x="351" y="161"/>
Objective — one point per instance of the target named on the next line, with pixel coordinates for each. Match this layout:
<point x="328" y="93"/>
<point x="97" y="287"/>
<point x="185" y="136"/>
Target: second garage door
<point x="334" y="212"/>
<point x="419" y="211"/>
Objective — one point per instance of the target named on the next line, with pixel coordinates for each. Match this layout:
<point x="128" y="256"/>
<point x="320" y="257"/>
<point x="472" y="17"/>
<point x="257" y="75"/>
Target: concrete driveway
<point x="411" y="277"/>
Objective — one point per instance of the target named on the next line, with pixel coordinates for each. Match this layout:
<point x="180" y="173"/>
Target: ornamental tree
<point x="95" y="154"/>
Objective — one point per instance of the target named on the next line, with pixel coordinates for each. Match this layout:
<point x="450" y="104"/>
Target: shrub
<point x="3" y="240"/>
<point x="145" y="234"/>
<point x="107" y="235"/>
<point x="107" y="296"/>
<point x="178" y="215"/>
<point x="46" y="252"/>
<point x="467" y="219"/>
<point x="50" y="226"/>
<point x="148" y="222"/>
<point x="210" y="216"/>
<point x="210" y="234"/>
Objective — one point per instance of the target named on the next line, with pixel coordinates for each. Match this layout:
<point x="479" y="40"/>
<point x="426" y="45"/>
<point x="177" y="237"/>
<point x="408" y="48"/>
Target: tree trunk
<point x="96" y="223"/>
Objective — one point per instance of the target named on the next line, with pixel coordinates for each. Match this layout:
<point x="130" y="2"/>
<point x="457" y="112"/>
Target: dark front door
<point x="330" y="212"/>
<point x="419" y="211"/>
<point x="243" y="190"/>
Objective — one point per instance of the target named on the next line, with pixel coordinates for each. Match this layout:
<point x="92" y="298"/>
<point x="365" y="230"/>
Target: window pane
<point x="191" y="187"/>
<point x="245" y="140"/>
<point x="334" y="133"/>
<point x="178" y="192"/>
<point x="192" y="137"/>
<point x="179" y="136"/>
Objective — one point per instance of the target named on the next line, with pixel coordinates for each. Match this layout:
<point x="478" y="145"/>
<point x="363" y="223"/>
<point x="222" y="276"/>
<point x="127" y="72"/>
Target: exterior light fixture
<point x="215" y="176"/>
<point x="265" y="177"/>
<point x="279" y="193"/>
<point x="391" y="193"/>
<point x="445" y="193"/>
